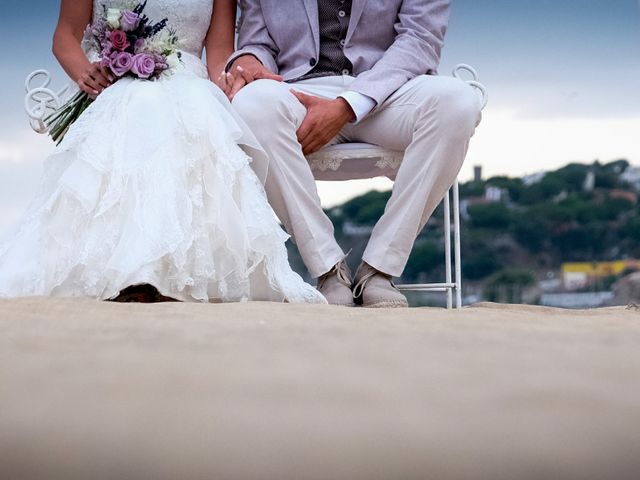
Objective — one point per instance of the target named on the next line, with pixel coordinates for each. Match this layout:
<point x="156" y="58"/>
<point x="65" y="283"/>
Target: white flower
<point x="113" y="17"/>
<point x="173" y="61"/>
<point x="154" y="45"/>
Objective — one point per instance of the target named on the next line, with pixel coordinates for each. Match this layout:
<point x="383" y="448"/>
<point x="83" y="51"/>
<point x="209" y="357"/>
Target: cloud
<point x="22" y="153"/>
<point x="508" y="144"/>
<point x="21" y="145"/>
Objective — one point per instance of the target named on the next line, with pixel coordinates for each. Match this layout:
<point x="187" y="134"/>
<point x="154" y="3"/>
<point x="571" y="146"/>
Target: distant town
<point x="566" y="238"/>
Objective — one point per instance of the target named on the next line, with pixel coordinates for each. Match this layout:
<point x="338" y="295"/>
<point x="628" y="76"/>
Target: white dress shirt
<point x="360" y="104"/>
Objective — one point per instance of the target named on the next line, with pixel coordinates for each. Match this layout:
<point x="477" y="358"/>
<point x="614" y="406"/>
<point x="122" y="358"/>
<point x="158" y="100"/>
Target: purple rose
<point x="121" y="63"/>
<point x="119" y="40"/>
<point x="129" y="21"/>
<point x="143" y="65"/>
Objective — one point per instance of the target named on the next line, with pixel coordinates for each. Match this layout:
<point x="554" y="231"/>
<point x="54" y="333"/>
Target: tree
<point x="481" y="257"/>
<point x="494" y="216"/>
<point x="424" y="257"/>
<point x="631" y="228"/>
<point x="472" y="189"/>
<point x="479" y="265"/>
<point x="530" y="231"/>
<point x="366" y="209"/>
<point x="514" y="186"/>
<point x="544" y="190"/>
<point x="573" y="176"/>
<point x="508" y="285"/>
<point x="581" y="242"/>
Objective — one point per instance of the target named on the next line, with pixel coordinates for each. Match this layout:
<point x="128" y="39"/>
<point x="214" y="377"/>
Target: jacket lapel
<point x="357" y="7"/>
<point x="314" y="20"/>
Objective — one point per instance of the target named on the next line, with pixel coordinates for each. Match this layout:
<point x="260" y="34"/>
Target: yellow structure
<point x="580" y="274"/>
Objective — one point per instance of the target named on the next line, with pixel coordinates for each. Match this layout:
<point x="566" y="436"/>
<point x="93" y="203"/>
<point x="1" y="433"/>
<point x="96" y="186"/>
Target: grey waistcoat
<point x="334" y="17"/>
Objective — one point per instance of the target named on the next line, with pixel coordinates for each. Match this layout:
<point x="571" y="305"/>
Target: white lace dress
<point x="150" y="186"/>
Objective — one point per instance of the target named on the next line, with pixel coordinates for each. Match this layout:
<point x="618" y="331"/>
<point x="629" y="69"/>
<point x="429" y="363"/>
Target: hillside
<point x="518" y="231"/>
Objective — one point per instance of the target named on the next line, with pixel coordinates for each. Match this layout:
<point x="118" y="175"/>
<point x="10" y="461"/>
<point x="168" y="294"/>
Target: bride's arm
<point x="221" y="37"/>
<point x="75" y="15"/>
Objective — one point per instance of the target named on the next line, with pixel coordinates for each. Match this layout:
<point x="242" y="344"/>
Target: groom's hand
<point x="247" y="69"/>
<point x="325" y="119"/>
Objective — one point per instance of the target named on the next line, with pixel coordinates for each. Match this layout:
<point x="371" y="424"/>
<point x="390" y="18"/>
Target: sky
<point x="563" y="78"/>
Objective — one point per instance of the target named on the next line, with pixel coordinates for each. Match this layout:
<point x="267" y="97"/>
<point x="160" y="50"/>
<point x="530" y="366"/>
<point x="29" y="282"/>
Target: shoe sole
<point x="388" y="305"/>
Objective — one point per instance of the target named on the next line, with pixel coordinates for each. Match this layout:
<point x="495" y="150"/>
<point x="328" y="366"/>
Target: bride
<point x="149" y="196"/>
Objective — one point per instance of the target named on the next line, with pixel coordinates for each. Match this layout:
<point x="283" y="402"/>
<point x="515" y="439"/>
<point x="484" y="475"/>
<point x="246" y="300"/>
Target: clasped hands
<point x="324" y="120"/>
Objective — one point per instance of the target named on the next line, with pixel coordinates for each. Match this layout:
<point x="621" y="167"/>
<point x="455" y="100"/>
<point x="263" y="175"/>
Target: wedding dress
<point x="149" y="186"/>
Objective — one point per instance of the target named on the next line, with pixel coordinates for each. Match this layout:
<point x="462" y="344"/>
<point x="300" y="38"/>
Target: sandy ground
<point x="261" y="391"/>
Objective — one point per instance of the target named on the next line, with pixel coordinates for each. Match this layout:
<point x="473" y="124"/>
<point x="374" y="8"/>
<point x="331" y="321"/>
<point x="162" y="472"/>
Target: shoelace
<point x="358" y="290"/>
<point x="341" y="273"/>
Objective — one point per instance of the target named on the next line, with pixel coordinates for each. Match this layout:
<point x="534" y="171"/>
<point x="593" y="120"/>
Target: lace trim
<point x="334" y="158"/>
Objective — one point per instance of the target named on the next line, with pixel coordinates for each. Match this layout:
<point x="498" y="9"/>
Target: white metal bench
<point x="357" y="161"/>
<point x="352" y="161"/>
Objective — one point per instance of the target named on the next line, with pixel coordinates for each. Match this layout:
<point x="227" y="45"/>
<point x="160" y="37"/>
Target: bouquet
<point x="129" y="44"/>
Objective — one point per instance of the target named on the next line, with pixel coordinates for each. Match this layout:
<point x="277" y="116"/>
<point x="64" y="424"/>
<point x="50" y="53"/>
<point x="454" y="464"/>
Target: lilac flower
<point x="143" y="65"/>
<point x="129" y="21"/>
<point x="161" y="63"/>
<point x="105" y="61"/>
<point x="161" y="67"/>
<point x="107" y="49"/>
<point x="121" y="63"/>
<point x="98" y="29"/>
<point x="105" y="55"/>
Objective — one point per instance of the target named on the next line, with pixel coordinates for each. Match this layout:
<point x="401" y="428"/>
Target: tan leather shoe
<point x="335" y="285"/>
<point x="374" y="289"/>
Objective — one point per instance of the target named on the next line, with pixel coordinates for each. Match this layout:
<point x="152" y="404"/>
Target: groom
<point x="310" y="73"/>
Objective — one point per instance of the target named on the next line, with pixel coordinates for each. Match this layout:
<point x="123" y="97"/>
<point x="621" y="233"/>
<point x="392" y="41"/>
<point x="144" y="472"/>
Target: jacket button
<point x="313" y="62"/>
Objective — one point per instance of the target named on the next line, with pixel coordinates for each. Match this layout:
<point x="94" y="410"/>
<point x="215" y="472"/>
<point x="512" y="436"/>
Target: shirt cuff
<point x="359" y="103"/>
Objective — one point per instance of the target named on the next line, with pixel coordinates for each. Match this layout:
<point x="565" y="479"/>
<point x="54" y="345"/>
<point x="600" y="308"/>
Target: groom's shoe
<point x="335" y="285"/>
<point x="374" y="289"/>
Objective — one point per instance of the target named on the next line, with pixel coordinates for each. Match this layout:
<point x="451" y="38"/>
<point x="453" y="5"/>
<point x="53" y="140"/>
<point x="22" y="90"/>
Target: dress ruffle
<point x="150" y="186"/>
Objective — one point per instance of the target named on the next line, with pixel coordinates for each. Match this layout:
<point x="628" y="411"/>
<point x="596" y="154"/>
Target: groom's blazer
<point x="389" y="42"/>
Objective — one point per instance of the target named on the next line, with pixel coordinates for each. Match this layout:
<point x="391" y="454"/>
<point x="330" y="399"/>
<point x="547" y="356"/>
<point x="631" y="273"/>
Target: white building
<point x="493" y="194"/>
<point x="632" y="176"/>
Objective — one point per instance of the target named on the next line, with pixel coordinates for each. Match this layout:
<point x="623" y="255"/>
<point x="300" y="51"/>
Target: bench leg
<point x="458" y="259"/>
<point x="447" y="246"/>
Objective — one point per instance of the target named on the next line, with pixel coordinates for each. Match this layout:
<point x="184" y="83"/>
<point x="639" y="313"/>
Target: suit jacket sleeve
<point x="416" y="50"/>
<point x="253" y="36"/>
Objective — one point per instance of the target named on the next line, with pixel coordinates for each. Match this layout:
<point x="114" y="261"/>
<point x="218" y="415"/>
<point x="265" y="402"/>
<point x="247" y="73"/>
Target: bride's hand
<point x="225" y="82"/>
<point x="95" y="79"/>
<point x="247" y="69"/>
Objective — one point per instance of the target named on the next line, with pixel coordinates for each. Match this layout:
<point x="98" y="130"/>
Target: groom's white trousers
<point x="431" y="118"/>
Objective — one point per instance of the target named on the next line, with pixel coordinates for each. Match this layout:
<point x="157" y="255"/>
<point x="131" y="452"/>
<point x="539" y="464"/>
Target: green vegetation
<point x="508" y="285"/>
<point x="425" y="257"/>
<point x="366" y="209"/>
